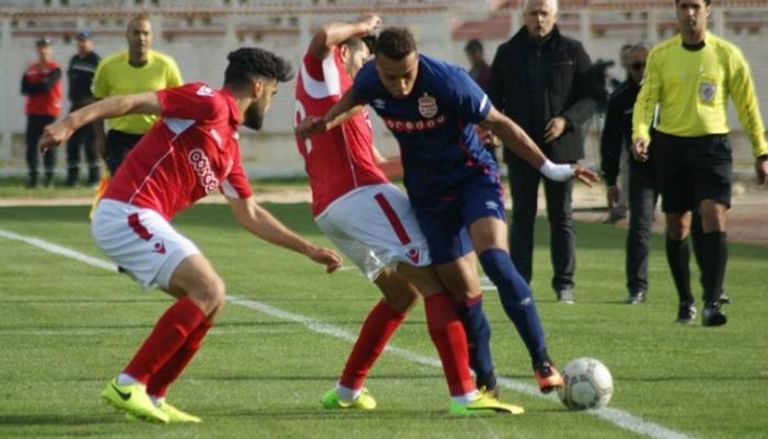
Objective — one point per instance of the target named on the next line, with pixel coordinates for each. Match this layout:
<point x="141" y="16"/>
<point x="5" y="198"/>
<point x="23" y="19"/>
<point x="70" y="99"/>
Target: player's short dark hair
<point x="395" y="43"/>
<point x="473" y="45"/>
<point x="706" y="2"/>
<point x="246" y="63"/>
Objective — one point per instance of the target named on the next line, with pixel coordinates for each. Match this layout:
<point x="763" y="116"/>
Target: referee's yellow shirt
<point x="115" y="76"/>
<point x="692" y="89"/>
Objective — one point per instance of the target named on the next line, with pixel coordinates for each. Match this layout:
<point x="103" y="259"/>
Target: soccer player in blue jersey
<point x="432" y="108"/>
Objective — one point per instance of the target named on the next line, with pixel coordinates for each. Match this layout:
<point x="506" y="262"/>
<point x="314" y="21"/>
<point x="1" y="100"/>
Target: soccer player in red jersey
<point x="371" y="221"/>
<point x="192" y="151"/>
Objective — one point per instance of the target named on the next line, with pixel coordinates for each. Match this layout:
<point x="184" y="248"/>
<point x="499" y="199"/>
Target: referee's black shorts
<point x="119" y="144"/>
<point x="692" y="169"/>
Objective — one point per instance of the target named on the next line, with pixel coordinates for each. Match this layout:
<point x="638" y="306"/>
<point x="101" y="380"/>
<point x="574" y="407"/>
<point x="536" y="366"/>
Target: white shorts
<point x="375" y="227"/>
<point x="140" y="241"/>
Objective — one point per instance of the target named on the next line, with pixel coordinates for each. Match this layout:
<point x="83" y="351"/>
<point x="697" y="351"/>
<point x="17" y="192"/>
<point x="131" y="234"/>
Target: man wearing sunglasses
<point x="617" y="134"/>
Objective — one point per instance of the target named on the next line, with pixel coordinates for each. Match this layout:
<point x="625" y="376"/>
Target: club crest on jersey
<point x="707" y="91"/>
<point x="427" y="106"/>
<point x="413" y="255"/>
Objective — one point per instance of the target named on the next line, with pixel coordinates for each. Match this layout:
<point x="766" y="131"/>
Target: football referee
<point x="690" y="77"/>
<point x="135" y="70"/>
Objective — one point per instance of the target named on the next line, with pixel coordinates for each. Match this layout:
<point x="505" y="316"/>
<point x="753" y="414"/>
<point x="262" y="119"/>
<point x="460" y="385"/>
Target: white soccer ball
<point x="588" y="384"/>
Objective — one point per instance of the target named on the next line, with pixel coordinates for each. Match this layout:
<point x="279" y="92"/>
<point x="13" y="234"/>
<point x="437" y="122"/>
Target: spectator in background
<point x="42" y="86"/>
<point x="618" y="207"/>
<point x="544" y="82"/>
<point x="624" y="59"/>
<point x="81" y="69"/>
<point x="480" y="72"/>
<point x="615" y="143"/>
<point x="136" y="70"/>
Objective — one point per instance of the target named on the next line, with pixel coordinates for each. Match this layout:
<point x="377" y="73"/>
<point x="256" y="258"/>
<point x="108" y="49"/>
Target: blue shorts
<point x="445" y="219"/>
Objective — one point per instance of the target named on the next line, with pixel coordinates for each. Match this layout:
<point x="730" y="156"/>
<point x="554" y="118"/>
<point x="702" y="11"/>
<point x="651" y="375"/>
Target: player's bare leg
<point x="378" y="327"/>
<point x="447" y="334"/>
<point x="450" y="339"/>
<point x="173" y="342"/>
<point x="489" y="238"/>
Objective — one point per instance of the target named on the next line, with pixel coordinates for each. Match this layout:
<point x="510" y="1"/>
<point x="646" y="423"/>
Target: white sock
<point x="126" y="380"/>
<point x="466" y="398"/>
<point x="157" y="400"/>
<point x="347" y="394"/>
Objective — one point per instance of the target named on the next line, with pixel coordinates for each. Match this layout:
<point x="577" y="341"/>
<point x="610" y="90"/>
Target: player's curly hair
<point x="246" y="63"/>
<point x="395" y="43"/>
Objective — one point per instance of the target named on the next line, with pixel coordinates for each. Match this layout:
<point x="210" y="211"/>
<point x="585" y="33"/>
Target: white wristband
<point x="556" y="172"/>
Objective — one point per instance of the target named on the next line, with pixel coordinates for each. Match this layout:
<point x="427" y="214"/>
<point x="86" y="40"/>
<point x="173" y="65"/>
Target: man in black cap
<point x="80" y="73"/>
<point x="41" y="84"/>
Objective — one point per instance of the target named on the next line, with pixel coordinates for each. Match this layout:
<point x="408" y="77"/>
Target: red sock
<point x="159" y="381"/>
<point x="169" y="335"/>
<point x="377" y="329"/>
<point x="449" y="338"/>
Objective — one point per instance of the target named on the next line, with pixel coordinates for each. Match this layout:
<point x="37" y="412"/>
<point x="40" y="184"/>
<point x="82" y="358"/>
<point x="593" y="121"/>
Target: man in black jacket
<point x="542" y="81"/>
<point x="617" y="136"/>
<point x="81" y="69"/>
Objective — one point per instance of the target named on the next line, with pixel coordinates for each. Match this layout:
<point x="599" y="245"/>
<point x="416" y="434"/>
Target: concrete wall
<point x="203" y="58"/>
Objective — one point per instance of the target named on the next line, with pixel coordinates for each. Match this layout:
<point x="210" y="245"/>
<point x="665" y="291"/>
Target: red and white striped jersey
<point x="341" y="159"/>
<point x="190" y="152"/>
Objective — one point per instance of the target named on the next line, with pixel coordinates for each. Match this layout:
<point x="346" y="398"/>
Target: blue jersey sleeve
<point x="471" y="101"/>
<point x="365" y="83"/>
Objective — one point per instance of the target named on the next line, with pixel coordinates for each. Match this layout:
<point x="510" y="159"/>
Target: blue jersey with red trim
<point x="434" y="125"/>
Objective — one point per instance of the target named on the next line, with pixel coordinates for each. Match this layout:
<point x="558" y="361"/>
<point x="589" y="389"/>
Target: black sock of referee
<point x="678" y="258"/>
<point x="696" y="232"/>
<point x="714" y="257"/>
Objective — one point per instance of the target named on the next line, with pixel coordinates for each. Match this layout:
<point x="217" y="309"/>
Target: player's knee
<point x="402" y="302"/>
<point x="210" y="295"/>
<point x="677" y="228"/>
<point x="712" y="218"/>
<point x="465" y="294"/>
<point x="218" y="293"/>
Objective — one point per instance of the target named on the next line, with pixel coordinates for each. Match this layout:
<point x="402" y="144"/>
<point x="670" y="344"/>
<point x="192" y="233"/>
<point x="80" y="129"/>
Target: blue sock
<point x="516" y="298"/>
<point x="479" y="339"/>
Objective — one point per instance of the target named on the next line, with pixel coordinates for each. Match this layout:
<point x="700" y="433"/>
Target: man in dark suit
<point x="542" y="81"/>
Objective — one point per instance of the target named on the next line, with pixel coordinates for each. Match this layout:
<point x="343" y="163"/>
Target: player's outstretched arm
<point x="516" y="139"/>
<point x="392" y="167"/>
<point x="334" y="33"/>
<point x="261" y="223"/>
<point x="57" y="133"/>
<point x="338" y="114"/>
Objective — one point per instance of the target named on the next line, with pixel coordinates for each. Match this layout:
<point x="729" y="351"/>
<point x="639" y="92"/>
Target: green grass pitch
<point x="67" y="327"/>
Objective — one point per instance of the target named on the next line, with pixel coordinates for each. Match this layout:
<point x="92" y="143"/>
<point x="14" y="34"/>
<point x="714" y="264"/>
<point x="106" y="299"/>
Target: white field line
<point x="617" y="417"/>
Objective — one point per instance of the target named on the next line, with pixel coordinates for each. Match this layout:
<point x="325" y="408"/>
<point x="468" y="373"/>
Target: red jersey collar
<point x="234" y="113"/>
